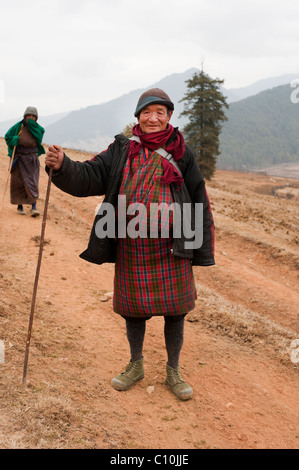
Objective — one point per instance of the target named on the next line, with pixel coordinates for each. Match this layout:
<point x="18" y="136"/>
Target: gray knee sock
<point x="174" y="338"/>
<point x="135" y="333"/>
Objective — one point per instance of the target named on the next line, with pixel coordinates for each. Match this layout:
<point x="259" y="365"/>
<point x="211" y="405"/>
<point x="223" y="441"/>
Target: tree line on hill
<point x="254" y="133"/>
<point x="261" y="131"/>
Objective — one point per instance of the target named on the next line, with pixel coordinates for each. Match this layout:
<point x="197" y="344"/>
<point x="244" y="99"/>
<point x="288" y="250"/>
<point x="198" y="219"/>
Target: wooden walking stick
<point x="9" y="171"/>
<point x="37" y="276"/>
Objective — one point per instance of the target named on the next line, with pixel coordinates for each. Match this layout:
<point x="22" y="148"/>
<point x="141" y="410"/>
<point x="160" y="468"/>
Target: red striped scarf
<point x="154" y="141"/>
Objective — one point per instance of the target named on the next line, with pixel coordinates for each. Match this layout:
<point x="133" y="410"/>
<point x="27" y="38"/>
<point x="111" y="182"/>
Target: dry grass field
<point x="238" y="352"/>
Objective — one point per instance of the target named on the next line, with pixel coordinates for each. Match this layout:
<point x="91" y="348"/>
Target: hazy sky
<point x="61" y="55"/>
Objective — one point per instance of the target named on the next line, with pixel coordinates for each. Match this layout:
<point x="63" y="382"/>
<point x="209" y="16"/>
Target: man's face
<point x="154" y="118"/>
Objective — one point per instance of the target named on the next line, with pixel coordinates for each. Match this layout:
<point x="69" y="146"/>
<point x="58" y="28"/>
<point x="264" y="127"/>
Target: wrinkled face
<point x="30" y="116"/>
<point x="154" y="118"/>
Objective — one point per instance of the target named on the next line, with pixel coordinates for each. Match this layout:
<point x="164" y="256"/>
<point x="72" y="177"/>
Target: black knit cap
<point x="153" y="96"/>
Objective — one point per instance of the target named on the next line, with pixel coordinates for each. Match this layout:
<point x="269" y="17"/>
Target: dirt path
<point x="237" y="350"/>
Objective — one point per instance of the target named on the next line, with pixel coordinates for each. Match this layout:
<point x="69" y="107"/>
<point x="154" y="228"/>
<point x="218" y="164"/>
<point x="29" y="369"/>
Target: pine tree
<point x="203" y="106"/>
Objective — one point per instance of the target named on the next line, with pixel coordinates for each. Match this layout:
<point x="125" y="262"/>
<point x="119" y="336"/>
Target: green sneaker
<point x="177" y="384"/>
<point x="134" y="372"/>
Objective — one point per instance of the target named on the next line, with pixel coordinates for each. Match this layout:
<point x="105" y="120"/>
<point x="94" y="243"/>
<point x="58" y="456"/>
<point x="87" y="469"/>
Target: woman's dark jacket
<point x="102" y="175"/>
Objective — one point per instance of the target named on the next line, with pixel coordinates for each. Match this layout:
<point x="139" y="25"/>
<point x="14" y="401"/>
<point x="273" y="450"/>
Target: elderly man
<point x="26" y="137"/>
<point x="153" y="274"/>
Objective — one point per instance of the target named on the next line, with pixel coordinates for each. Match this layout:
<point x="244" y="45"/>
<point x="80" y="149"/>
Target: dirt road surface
<point x="239" y="354"/>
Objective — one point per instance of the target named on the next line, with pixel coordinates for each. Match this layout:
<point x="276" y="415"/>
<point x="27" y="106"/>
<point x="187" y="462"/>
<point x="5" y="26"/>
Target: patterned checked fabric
<point x="149" y="280"/>
<point x="24" y="187"/>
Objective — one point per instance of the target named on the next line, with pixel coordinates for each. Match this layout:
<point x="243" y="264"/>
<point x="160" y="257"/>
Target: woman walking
<point x="24" y="145"/>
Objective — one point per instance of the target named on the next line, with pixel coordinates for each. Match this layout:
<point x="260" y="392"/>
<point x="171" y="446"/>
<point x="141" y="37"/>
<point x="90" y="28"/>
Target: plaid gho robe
<point x="149" y="280"/>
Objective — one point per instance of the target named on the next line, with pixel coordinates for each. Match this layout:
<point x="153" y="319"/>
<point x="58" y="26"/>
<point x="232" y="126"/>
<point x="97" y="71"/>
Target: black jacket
<point x="102" y="175"/>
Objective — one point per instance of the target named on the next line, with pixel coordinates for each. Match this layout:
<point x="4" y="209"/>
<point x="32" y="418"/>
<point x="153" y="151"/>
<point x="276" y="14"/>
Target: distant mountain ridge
<point x="94" y="127"/>
<point x="237" y="94"/>
<point x="261" y="131"/>
<point x="250" y="121"/>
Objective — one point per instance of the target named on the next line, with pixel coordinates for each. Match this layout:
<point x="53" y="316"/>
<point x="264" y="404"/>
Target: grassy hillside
<point x="237" y="352"/>
<point x="261" y="130"/>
